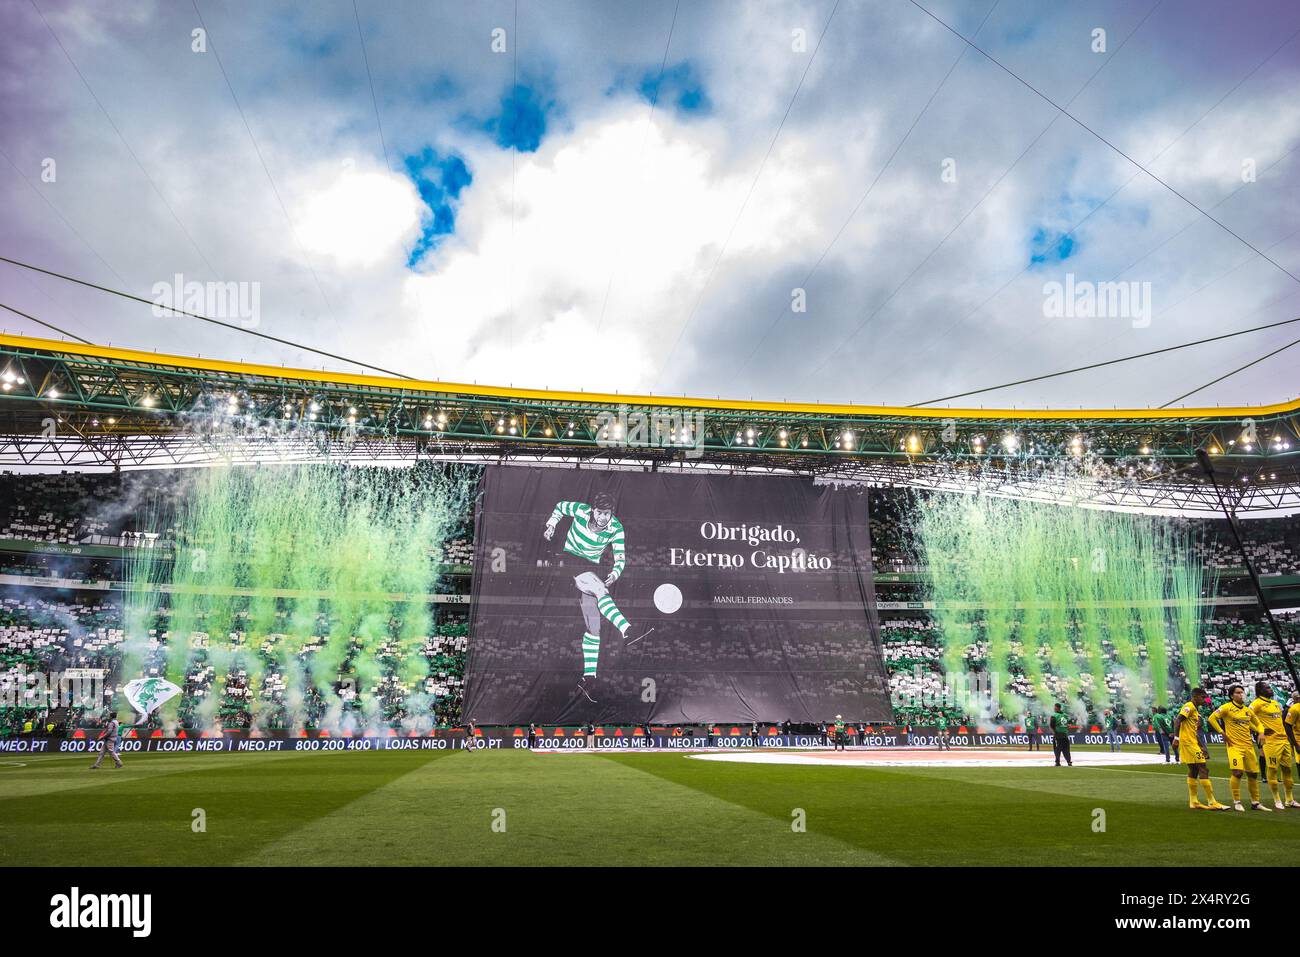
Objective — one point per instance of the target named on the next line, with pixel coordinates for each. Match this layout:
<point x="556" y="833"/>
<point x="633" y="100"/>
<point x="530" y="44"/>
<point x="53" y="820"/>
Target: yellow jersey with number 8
<point x="1238" y="721"/>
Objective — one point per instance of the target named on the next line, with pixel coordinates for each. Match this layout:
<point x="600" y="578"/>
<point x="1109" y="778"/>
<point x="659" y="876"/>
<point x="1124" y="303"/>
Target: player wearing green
<point x="841" y="738"/>
<point x="1160" y="720"/>
<point x="593" y="529"/>
<point x="1031" y="729"/>
<point x="944" y="744"/>
<point x="1060" y="723"/>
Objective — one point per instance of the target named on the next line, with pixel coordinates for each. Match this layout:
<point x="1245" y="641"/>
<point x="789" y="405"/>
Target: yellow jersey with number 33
<point x="1189" y="744"/>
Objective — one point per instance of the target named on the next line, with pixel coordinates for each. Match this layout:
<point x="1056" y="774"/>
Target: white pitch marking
<point x="968" y="759"/>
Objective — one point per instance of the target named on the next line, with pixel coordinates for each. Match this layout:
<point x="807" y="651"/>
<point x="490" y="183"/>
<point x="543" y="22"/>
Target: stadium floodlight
<point x="1010" y="442"/>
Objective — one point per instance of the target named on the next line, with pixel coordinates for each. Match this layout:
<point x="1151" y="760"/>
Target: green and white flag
<point x="147" y="695"/>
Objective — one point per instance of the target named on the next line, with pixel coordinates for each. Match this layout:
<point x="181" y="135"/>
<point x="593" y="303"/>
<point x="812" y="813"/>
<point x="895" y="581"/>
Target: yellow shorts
<point x="1277" y="754"/>
<point x="1243" y="759"/>
<point x="1192" y="754"/>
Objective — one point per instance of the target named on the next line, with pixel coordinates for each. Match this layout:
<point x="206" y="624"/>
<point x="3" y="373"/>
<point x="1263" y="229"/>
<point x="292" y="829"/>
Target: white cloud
<point x="356" y="218"/>
<point x="522" y="302"/>
<point x="518" y="297"/>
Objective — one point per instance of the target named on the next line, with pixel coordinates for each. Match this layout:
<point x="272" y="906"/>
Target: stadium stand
<point x="62" y="538"/>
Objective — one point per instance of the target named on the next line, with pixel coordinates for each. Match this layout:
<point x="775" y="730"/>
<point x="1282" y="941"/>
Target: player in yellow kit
<point x="1190" y="753"/>
<point x="1278" y="757"/>
<point x="1291" y="725"/>
<point x="1235" y="721"/>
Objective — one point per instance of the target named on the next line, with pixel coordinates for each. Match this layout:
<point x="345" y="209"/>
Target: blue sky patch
<point x="521" y="122"/>
<point x="440" y="181"/>
<point x="1050" y="246"/>
<point x="680" y="87"/>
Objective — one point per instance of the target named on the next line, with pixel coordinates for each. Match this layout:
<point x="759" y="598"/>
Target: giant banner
<point x="636" y="596"/>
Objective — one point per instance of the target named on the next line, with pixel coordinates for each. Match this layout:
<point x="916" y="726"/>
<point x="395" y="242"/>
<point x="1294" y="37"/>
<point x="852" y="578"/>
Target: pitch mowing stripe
<point x="926" y="817"/>
<point x="55" y="774"/>
<point x="784" y="814"/>
<point x="580" y="810"/>
<point x="147" y="820"/>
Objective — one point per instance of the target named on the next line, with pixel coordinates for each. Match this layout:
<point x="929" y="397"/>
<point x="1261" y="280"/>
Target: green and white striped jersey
<point x="587" y="541"/>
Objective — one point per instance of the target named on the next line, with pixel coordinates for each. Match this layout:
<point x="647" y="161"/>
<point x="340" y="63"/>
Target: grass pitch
<point x="439" y="808"/>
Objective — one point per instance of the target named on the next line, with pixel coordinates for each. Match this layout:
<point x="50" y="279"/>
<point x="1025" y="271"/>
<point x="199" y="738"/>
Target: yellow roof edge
<point x="615" y="399"/>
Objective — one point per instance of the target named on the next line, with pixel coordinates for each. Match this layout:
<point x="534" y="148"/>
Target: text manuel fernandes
<point x="781" y="551"/>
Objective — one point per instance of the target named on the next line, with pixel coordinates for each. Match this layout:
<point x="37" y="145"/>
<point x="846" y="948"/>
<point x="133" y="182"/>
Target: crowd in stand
<point x="53" y="629"/>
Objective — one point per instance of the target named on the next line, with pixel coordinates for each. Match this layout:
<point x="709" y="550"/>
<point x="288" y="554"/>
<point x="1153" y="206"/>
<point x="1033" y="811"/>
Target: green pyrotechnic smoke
<point x="309" y="586"/>
<point x="145" y="568"/>
<point x="1156" y="578"/>
<point x="1083" y="590"/>
<point x="1028" y="566"/>
<point x="946" y="534"/>
<point x="1187" y="580"/>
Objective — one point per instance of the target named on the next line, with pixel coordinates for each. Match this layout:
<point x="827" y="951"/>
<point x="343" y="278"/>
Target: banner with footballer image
<point x="642" y="596"/>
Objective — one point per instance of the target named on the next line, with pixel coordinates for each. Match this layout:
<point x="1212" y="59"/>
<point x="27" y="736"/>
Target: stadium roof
<point x="74" y="405"/>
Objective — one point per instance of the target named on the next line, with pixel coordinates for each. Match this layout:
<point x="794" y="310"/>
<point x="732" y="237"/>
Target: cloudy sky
<point x="818" y="201"/>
